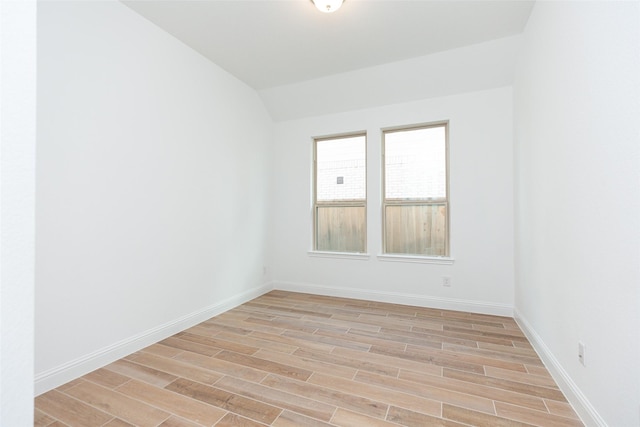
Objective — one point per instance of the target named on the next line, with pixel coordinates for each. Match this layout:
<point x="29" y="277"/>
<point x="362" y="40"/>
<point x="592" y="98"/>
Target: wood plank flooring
<point x="290" y="360"/>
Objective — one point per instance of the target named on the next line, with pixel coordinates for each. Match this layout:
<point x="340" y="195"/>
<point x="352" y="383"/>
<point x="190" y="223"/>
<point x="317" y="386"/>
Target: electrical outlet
<point x="446" y="281"/>
<point x="581" y="349"/>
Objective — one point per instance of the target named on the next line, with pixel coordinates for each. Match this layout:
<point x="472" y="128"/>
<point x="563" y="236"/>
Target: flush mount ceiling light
<point x="327" y="6"/>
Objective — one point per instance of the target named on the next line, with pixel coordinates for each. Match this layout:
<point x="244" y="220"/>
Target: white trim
<point x="52" y="378"/>
<point x="341" y="255"/>
<point x="572" y="392"/>
<point x="482" y="307"/>
<point x="416" y="259"/>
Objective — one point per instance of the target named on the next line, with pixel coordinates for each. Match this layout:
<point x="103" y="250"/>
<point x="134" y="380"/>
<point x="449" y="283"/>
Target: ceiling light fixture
<point x="327" y="6"/>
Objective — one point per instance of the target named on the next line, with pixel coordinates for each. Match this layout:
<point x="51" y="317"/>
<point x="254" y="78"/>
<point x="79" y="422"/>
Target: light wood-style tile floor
<point x="292" y="360"/>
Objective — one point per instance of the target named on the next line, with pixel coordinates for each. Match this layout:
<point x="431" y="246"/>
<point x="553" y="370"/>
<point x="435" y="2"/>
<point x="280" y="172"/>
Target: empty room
<point x="288" y="213"/>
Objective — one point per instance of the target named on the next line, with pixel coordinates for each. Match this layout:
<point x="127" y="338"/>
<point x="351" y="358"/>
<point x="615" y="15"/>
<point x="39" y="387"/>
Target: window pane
<point x="340" y="228"/>
<point x="341" y="169"/>
<point x="416" y="229"/>
<point x="415" y="164"/>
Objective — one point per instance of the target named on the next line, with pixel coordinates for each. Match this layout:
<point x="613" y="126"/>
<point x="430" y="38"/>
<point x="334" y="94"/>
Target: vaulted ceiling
<point x="272" y="43"/>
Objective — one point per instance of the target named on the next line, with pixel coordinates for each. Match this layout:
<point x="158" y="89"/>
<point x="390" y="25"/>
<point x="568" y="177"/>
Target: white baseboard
<point x="62" y="374"/>
<point x="481" y="307"/>
<point x="572" y="392"/>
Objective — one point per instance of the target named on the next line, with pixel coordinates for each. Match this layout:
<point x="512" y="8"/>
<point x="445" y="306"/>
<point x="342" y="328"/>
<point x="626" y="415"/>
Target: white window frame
<point x="341" y="203"/>
<point x="406" y="257"/>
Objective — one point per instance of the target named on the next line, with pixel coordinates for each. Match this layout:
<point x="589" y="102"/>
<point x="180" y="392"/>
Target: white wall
<point x="152" y="187"/>
<point x="481" y="193"/>
<point x="471" y="68"/>
<point x="577" y="129"/>
<point x="17" y="200"/>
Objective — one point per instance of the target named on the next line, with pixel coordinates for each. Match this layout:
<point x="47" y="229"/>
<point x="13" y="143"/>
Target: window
<point x="340" y="194"/>
<point x="416" y="191"/>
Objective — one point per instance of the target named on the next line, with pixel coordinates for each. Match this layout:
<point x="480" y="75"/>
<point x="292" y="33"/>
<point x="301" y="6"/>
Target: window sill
<point x="417" y="259"/>
<point x="339" y="255"/>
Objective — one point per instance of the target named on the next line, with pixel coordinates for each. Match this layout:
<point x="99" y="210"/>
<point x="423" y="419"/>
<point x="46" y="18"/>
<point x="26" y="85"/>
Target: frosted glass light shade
<point x="327" y="6"/>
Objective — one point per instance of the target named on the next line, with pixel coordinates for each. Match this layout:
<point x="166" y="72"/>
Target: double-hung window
<point x="415" y="191"/>
<point x="340" y="194"/>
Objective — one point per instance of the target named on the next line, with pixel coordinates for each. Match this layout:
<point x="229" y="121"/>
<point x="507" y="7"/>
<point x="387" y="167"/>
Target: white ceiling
<point x="271" y="43"/>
